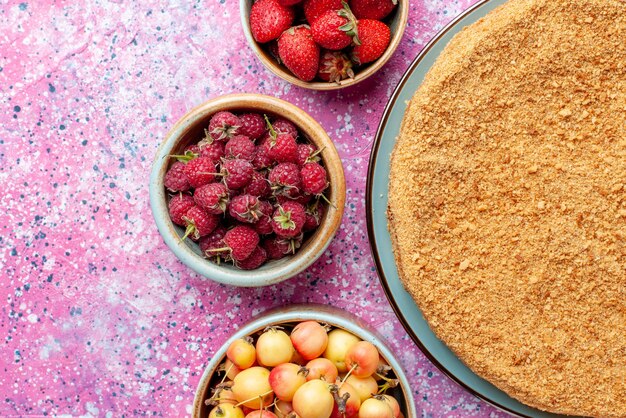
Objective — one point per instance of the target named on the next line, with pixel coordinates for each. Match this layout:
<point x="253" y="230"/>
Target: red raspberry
<point x="240" y="146"/>
<point x="175" y="178"/>
<point x="314" y="180"/>
<point x="193" y="148"/>
<point x="284" y="126"/>
<point x="252" y="125"/>
<point x="261" y="158"/>
<point x="283" y="149"/>
<point x="199" y="223"/>
<point x="289" y="245"/>
<point x="314" y="215"/>
<point x="307" y="153"/>
<point x="224" y="125"/>
<point x="285" y="179"/>
<point x="274" y="251"/>
<point x="264" y="225"/>
<point x="288" y="219"/>
<point x="259" y="186"/>
<point x="245" y="208"/>
<point x="214" y="151"/>
<point x="237" y="173"/>
<point x="302" y="199"/>
<point x="178" y="206"/>
<point x="200" y="171"/>
<point x="214" y="241"/>
<point x="241" y="241"/>
<point x="212" y="197"/>
<point x="255" y="260"/>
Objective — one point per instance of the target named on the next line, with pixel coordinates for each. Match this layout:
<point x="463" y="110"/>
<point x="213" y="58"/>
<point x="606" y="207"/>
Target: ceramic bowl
<point x="189" y="130"/>
<point x="397" y="22"/>
<point x="292" y="315"/>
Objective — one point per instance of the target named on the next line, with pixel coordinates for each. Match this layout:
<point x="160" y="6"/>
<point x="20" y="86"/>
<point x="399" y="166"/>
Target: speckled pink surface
<point x="98" y="317"/>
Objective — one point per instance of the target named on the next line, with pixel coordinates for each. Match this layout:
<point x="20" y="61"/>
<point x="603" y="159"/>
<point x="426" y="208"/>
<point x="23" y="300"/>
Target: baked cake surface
<point x="507" y="202"/>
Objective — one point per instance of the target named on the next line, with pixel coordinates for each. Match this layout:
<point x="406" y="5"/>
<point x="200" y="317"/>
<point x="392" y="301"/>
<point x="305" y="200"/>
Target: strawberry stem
<point x="351" y="27"/>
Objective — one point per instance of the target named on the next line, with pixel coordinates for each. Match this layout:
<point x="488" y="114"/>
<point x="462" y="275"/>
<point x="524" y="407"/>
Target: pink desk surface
<point x="98" y="318"/>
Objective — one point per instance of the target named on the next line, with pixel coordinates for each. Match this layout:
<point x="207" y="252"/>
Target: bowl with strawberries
<point x="306" y="361"/>
<point x="247" y="190"/>
<point x="324" y="44"/>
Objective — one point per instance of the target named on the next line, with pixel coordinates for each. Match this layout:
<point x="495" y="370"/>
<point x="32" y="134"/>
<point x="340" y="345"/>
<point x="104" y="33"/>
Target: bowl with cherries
<point x="247" y="190"/>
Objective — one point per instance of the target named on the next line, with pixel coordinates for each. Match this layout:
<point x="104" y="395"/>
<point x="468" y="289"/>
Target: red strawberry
<point x="240" y="146"/>
<point x="282" y="125"/>
<point x="335" y="66"/>
<point x="289" y="2"/>
<point x="307" y="153"/>
<point x="264" y="226"/>
<point x="237" y="173"/>
<point x="255" y="260"/>
<point x="252" y="125"/>
<point x="314" y="214"/>
<point x="200" y="171"/>
<point x="214" y="150"/>
<point x="261" y="158"/>
<point x="299" y="52"/>
<point x="214" y="241"/>
<point x="241" y="242"/>
<point x="259" y="186"/>
<point x="175" y="179"/>
<point x="224" y="125"/>
<point x="178" y="207"/>
<point x="372" y="9"/>
<point x="374" y="37"/>
<point x="269" y="19"/>
<point x="212" y="197"/>
<point x="285" y="179"/>
<point x="335" y="29"/>
<point x="314" y="179"/>
<point x="245" y="208"/>
<point x="274" y="251"/>
<point x="199" y="223"/>
<point x="288" y="219"/>
<point x="315" y="8"/>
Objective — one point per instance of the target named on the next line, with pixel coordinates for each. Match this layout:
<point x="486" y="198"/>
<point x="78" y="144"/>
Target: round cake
<point x="507" y="202"/>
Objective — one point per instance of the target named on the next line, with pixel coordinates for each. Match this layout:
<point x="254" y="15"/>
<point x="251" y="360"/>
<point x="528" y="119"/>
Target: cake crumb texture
<point x="507" y="202"/>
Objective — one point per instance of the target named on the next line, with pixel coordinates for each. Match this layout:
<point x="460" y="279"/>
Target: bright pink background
<point x="99" y="318"/>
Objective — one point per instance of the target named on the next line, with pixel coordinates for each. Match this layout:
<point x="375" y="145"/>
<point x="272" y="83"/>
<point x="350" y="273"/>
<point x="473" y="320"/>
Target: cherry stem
<point x="261" y="396"/>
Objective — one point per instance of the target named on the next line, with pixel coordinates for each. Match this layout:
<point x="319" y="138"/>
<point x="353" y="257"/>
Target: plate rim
<point x="369" y="210"/>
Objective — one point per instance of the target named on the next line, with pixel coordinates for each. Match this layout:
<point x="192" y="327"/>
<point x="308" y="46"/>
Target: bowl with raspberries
<point x="324" y="44"/>
<point x="308" y="361"/>
<point x="247" y="190"/>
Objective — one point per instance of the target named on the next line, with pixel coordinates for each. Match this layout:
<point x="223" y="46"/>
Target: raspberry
<point x="200" y="171"/>
<point x="307" y="153"/>
<point x="289" y="245"/>
<point x="255" y="260"/>
<point x="199" y="223"/>
<point x="314" y="215"/>
<point x="245" y="208"/>
<point x="273" y="250"/>
<point x="302" y="199"/>
<point x="314" y="179"/>
<point x="214" y="241"/>
<point x="237" y="173"/>
<point x="178" y="206"/>
<point x="284" y="126"/>
<point x="212" y="197"/>
<point x="264" y="225"/>
<point x="175" y="179"/>
<point x="193" y="148"/>
<point x="261" y="158"/>
<point x="241" y="241"/>
<point x="259" y="186"/>
<point x="283" y="148"/>
<point x="285" y="179"/>
<point x="224" y="125"/>
<point x="240" y="146"/>
<point x="214" y="151"/>
<point x="252" y="125"/>
<point x="288" y="219"/>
